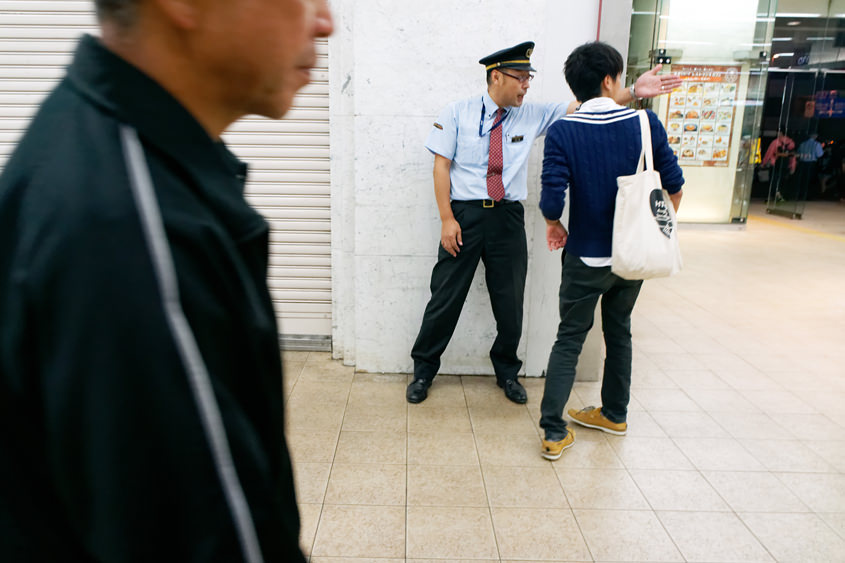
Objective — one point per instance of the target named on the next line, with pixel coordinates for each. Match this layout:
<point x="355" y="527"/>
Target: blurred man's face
<point x="260" y="52"/>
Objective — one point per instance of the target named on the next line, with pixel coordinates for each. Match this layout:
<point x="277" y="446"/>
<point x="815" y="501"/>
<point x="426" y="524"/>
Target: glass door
<point x="789" y="179"/>
<point x="830" y="108"/>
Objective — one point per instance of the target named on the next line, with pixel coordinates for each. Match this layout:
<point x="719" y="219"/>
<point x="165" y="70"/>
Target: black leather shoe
<point x="514" y="391"/>
<point x="417" y="390"/>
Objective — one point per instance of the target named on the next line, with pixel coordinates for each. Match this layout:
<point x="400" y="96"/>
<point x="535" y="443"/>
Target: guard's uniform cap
<point x="518" y="56"/>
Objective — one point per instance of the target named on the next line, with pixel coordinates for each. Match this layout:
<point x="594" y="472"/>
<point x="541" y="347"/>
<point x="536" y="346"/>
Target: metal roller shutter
<point x="37" y="38"/>
<point x="289" y="159"/>
<point x="289" y="184"/>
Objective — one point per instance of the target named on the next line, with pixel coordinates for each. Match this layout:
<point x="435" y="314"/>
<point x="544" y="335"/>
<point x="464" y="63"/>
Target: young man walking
<point x="584" y="153"/>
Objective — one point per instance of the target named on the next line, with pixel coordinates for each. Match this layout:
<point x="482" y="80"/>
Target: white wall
<point x="393" y="66"/>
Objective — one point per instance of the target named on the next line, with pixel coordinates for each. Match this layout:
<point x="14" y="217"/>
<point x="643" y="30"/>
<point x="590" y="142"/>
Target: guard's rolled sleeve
<point x="551" y="113"/>
<point x="443" y="137"/>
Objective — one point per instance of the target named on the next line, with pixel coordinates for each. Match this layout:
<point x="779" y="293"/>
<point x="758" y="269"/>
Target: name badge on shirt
<point x="516" y="138"/>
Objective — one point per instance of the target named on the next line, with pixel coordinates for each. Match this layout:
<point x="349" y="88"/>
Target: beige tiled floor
<point x="735" y="450"/>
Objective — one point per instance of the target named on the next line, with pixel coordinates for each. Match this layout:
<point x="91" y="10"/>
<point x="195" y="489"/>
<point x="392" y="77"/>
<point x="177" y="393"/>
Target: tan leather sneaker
<point x="591" y="417"/>
<point x="553" y="450"/>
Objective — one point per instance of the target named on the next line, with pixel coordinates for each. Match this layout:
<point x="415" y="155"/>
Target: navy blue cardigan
<point x="586" y="152"/>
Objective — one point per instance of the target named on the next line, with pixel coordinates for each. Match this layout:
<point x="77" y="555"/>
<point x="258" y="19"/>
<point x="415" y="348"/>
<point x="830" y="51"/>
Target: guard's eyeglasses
<point x="523" y="79"/>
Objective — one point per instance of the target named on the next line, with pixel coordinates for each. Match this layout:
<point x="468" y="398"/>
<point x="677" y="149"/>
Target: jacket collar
<point x="133" y="98"/>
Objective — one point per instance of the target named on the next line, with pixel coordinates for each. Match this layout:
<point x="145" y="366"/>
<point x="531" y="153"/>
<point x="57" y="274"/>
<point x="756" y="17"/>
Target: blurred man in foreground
<point x="140" y="379"/>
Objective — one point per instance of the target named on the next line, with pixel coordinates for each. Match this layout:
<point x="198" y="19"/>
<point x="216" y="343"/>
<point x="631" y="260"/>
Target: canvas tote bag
<point x="645" y="230"/>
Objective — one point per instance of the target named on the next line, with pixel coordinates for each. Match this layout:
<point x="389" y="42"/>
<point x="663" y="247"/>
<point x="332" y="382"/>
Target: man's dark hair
<point x="490" y="76"/>
<point x="586" y="67"/>
<point x="121" y="12"/>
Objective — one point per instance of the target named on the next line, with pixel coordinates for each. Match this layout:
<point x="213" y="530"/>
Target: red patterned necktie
<point x="495" y="187"/>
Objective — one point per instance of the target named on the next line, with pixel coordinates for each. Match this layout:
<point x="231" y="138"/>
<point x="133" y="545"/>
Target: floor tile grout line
<point x="776" y="475"/>
<point x="765" y="470"/>
<point x="653" y="510"/>
<point x="407" y="468"/>
<point x="645" y="497"/>
<point x="287" y="395"/>
<point x="657" y="515"/>
<point x="674" y="439"/>
<point x="483" y="479"/>
<point x="739" y="517"/>
<point x="407" y="454"/>
<point x="574" y="517"/>
<point x="331" y="471"/>
<point x="830" y="526"/>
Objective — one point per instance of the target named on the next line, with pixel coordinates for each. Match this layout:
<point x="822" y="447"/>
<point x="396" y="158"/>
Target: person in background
<point x="481" y="148"/>
<point x="779" y="157"/>
<point x="808" y="153"/>
<point x="781" y="147"/>
<point x="584" y="154"/>
<point x="141" y="407"/>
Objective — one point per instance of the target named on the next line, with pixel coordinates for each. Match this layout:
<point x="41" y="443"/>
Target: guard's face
<point x="513" y="86"/>
<point x="262" y="51"/>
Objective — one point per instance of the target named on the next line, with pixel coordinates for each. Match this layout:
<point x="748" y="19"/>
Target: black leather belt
<point x="486" y="203"/>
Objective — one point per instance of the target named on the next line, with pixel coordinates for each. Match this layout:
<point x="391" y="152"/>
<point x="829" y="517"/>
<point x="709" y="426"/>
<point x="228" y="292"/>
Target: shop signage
<point x="829" y="103"/>
<point x="700" y="114"/>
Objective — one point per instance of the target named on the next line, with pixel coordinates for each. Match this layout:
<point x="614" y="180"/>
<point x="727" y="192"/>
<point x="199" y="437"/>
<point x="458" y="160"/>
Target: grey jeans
<point x="580" y="289"/>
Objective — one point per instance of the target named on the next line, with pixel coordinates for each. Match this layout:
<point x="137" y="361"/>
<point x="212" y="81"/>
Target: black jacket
<point x="102" y="453"/>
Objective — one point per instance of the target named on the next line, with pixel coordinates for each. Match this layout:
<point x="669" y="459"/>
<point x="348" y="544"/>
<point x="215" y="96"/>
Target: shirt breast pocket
<point x="471" y="148"/>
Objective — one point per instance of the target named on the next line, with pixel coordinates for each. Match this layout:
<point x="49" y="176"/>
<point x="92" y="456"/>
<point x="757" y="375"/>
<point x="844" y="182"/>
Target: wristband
<point x="632" y="90"/>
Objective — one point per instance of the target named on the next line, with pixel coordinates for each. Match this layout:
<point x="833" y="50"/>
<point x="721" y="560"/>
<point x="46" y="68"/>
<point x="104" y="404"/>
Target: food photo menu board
<point x="701" y="114"/>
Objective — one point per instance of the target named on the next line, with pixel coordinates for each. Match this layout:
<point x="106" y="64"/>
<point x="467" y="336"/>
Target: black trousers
<point x="497" y="237"/>
<point x="580" y="289"/>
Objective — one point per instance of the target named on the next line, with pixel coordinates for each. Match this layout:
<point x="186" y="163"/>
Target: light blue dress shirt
<point x="810" y="150"/>
<point x="455" y="136"/>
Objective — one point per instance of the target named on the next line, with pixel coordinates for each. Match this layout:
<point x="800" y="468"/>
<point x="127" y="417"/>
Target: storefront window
<point x="760" y="113"/>
<point x="803" y="131"/>
<point x="721" y="50"/>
